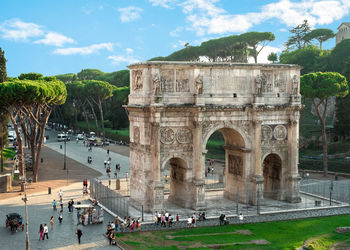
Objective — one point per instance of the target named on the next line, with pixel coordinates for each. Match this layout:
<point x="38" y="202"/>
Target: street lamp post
<point x="65" y="150"/>
<point x="25" y="199"/>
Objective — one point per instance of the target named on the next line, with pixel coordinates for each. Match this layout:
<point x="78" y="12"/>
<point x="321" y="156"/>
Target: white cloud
<point x="164" y="3"/>
<point x="56" y="39"/>
<point x="205" y="17"/>
<point x="129" y="51"/>
<point x="117" y="59"/>
<point x="84" y="50"/>
<point x="15" y="29"/>
<point x="129" y="14"/>
<point x="175" y="32"/>
<point x="283" y="30"/>
<point x="262" y="57"/>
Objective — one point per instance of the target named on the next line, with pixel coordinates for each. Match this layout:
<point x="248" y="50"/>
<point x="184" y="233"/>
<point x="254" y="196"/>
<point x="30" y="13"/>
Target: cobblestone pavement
<point x="39" y="212"/>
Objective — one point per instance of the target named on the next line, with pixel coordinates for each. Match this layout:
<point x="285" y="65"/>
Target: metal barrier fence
<point x="329" y="190"/>
<point x="115" y="202"/>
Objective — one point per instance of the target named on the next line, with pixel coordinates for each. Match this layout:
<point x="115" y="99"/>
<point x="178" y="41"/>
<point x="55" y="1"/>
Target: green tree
<point x="4" y="116"/>
<point x="89" y="74"/>
<point x="321" y="35"/>
<point x="116" y="113"/>
<point x="66" y="78"/>
<point x="342" y="122"/>
<point x="98" y="91"/>
<point x="257" y="41"/>
<point x="320" y="87"/>
<point x="340" y="55"/>
<point x="299" y="39"/>
<point x="29" y="103"/>
<point x="272" y="57"/>
<point x="311" y="59"/>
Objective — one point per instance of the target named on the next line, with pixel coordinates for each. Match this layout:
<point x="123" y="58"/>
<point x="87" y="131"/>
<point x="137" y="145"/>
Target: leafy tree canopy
<point x="272" y="57"/>
<point x="340" y="55"/>
<point x="70" y="77"/>
<point x="321" y="35"/>
<point x="22" y="92"/>
<point x="323" y="85"/>
<point x="235" y="48"/>
<point x="299" y="39"/>
<point x="311" y="59"/>
<point x="89" y="74"/>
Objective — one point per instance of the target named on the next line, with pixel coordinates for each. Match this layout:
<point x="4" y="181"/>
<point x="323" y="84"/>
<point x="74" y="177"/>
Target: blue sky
<point x="57" y="37"/>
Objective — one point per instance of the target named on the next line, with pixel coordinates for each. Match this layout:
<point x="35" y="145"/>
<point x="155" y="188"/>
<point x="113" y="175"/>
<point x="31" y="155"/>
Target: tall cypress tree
<point x="4" y="116"/>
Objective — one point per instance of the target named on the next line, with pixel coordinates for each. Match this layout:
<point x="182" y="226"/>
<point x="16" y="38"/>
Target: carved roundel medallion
<point x="280" y="132"/>
<point x="184" y="135"/>
<point x="266" y="133"/>
<point x="167" y="135"/>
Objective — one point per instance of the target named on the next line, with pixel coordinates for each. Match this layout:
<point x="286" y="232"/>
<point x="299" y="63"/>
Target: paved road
<point x="40" y="211"/>
<point x="80" y="153"/>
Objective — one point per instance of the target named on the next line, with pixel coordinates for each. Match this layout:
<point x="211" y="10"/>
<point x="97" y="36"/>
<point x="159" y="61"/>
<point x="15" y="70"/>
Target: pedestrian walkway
<point x="80" y="153"/>
<point x="39" y="212"/>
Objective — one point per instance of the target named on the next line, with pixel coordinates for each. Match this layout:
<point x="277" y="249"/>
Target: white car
<point x="63" y="137"/>
<point x="80" y="137"/>
<point x="11" y="138"/>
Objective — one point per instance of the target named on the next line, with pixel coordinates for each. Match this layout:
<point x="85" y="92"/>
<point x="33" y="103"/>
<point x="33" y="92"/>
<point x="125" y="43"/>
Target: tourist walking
<point x="107" y="151"/>
<point x="46" y="232"/>
<point x="52" y="222"/>
<point x="60" y="217"/>
<point x="54" y="205"/>
<point x="41" y="231"/>
<point x="241" y="218"/>
<point x="79" y="233"/>
<point x="60" y="194"/>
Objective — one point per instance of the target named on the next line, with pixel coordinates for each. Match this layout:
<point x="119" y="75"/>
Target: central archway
<point x="235" y="169"/>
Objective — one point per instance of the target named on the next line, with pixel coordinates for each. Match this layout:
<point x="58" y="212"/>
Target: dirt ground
<point x="51" y="174"/>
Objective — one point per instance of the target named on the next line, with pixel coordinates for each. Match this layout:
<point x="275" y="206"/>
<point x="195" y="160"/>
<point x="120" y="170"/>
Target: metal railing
<point x="115" y="202"/>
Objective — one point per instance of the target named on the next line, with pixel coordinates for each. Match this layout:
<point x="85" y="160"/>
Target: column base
<point x="292" y="188"/>
<point x="198" y="191"/>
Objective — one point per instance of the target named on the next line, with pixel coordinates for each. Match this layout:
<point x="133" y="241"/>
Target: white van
<point x="63" y="137"/>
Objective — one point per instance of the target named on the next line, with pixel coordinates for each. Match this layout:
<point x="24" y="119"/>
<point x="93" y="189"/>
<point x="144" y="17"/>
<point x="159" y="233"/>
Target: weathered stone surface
<point x="174" y="107"/>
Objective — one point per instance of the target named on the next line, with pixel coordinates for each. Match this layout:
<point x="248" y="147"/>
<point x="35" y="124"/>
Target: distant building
<point x="343" y="32"/>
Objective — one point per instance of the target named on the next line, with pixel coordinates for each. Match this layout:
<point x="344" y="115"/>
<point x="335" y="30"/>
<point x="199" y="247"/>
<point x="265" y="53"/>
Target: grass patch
<point x="8" y="153"/>
<point x="281" y="234"/>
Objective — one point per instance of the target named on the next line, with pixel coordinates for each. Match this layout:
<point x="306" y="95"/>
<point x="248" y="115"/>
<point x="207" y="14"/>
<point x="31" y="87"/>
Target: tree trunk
<point x="102" y="119"/>
<point x="95" y="117"/>
<point x="86" y="118"/>
<point x="322" y="118"/>
<point x="324" y="146"/>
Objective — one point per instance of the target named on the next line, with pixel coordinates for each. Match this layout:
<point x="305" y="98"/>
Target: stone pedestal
<point x="292" y="187"/>
<point x="200" y="100"/>
<point x="295" y="100"/>
<point x="158" y="196"/>
<point x="199" y="195"/>
<point x="256" y="193"/>
<point x="258" y="100"/>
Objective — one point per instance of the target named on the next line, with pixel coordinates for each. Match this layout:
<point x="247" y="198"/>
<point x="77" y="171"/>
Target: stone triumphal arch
<point x="174" y="107"/>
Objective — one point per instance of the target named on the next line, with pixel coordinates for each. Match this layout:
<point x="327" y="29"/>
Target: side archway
<point x="180" y="183"/>
<point x="272" y="171"/>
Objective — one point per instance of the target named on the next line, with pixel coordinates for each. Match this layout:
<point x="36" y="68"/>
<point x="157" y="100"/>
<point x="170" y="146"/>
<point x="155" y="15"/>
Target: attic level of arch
<point x="201" y="84"/>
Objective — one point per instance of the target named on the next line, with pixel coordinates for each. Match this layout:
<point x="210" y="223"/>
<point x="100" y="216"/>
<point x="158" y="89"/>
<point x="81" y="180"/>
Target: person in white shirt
<point x="46" y="232"/>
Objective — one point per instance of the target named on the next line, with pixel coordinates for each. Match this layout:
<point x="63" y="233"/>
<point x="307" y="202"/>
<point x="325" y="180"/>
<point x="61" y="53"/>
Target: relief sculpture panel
<point x="167" y="80"/>
<point x="137" y="82"/>
<point x="235" y="165"/>
<point x="182" y="81"/>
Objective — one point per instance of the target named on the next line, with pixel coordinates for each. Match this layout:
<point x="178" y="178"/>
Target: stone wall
<point x="5" y="183"/>
<point x="263" y="217"/>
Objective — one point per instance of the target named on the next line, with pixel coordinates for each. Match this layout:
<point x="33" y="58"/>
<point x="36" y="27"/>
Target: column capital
<point x="257" y="123"/>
